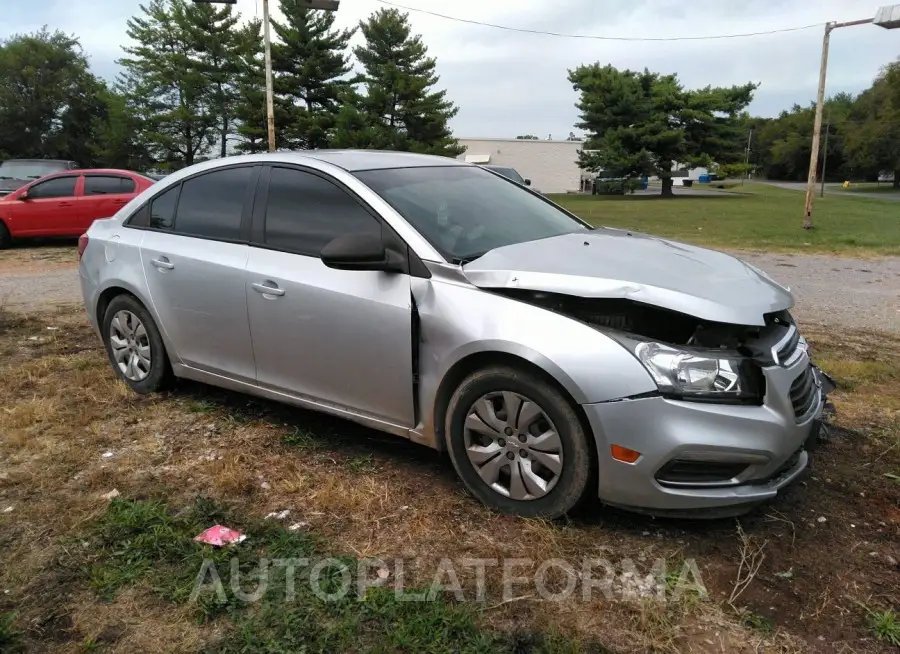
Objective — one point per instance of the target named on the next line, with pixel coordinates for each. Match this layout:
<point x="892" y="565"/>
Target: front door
<point x="338" y="337"/>
<point x="194" y="263"/>
<point x="49" y="210"/>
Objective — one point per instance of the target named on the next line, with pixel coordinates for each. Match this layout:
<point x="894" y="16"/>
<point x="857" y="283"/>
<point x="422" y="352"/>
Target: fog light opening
<point x="624" y="454"/>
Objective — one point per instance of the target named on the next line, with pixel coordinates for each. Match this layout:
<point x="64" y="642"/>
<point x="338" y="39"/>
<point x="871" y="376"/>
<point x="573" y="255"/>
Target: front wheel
<point x="517" y="443"/>
<point x="135" y="347"/>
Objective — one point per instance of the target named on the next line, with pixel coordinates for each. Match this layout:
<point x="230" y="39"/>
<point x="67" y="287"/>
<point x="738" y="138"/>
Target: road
<point x="832" y="189"/>
<point x="831" y="290"/>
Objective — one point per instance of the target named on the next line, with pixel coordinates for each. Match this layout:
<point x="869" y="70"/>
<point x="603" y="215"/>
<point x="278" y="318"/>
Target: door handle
<point x="162" y="263"/>
<point x="65" y="204"/>
<point x="267" y="290"/>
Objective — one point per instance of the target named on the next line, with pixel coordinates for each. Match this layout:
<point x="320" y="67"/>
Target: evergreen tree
<point x="250" y="110"/>
<point x="399" y="109"/>
<point x="310" y="69"/>
<point x="167" y="83"/>
<point x="644" y="123"/>
<point x="219" y="45"/>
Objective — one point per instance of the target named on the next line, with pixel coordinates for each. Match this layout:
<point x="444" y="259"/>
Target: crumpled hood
<point x="612" y="263"/>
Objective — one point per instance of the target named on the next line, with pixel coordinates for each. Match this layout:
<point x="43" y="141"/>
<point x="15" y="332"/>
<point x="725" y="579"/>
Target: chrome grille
<point x="787" y="350"/>
<point x="804" y="392"/>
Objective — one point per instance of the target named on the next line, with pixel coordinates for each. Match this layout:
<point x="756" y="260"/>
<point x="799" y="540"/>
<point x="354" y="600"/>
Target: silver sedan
<point x="441" y="302"/>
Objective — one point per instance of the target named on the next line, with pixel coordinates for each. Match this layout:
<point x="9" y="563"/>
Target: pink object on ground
<point x="219" y="536"/>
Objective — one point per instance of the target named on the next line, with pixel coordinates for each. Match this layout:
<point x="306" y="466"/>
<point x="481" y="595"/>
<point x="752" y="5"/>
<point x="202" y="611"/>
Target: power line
<point x="594" y="36"/>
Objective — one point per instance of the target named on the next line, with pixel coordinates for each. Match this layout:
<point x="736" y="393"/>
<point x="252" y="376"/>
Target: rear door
<point x="194" y="253"/>
<point x="50" y="208"/>
<point x="339" y="337"/>
<point x="103" y="196"/>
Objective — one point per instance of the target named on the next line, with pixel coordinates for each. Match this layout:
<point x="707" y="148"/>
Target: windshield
<point x="509" y="173"/>
<point x="29" y="169"/>
<point x="465" y="211"/>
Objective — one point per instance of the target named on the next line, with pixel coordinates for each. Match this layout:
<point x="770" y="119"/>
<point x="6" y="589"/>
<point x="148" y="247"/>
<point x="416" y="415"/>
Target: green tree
<point x="873" y="130"/>
<point x="118" y="144"/>
<point x="398" y="107"/>
<point x="310" y="67"/>
<point x="51" y="105"/>
<point x="167" y="83"/>
<point x="250" y="108"/>
<point x="220" y="49"/>
<point x="644" y="123"/>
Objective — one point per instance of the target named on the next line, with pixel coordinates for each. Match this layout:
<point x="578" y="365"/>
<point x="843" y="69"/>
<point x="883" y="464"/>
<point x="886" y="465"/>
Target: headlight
<point x="699" y="374"/>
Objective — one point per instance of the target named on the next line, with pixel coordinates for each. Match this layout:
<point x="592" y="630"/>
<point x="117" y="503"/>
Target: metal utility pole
<point x="887" y="17"/>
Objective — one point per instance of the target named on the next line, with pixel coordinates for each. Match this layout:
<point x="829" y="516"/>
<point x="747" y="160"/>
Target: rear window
<point x="107" y="185"/>
<point x="211" y="204"/>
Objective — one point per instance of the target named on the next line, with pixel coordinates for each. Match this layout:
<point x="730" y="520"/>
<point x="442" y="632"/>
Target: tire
<point x="500" y="386"/>
<point x="5" y="238"/>
<point x="142" y="378"/>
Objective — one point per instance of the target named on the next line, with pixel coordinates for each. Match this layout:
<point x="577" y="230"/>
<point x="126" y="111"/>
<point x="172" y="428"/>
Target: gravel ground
<point x="840" y="291"/>
<point x="831" y="290"/>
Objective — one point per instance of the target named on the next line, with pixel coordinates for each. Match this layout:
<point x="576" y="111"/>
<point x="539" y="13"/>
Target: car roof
<point x="356" y="160"/>
<point x="351" y="160"/>
<point x="39" y="160"/>
<point x="103" y="171"/>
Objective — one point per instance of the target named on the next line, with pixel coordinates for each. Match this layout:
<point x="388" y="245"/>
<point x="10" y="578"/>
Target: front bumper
<point x="768" y="443"/>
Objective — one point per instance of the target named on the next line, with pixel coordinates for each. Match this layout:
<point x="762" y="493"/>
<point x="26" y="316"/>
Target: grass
<point x="11" y="640"/>
<point x="755" y="217"/>
<point x="150" y="543"/>
<point x="88" y="574"/>
<point x="884" y="187"/>
<point x="885" y="626"/>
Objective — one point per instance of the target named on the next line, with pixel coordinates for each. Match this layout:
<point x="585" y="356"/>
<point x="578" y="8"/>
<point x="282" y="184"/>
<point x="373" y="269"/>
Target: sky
<point x="507" y="83"/>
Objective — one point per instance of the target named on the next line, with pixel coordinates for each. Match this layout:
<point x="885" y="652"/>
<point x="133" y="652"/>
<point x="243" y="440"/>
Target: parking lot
<point x="811" y="571"/>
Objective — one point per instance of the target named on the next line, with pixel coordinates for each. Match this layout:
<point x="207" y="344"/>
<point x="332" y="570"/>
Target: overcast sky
<point x="508" y="83"/>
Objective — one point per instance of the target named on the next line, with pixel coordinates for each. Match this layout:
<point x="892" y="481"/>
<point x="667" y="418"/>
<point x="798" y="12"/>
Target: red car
<point x="66" y="203"/>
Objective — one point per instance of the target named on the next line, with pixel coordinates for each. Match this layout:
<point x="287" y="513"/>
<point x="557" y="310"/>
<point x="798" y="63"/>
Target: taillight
<point x="82" y="245"/>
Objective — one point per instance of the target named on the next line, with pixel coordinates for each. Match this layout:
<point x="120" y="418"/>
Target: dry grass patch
<point x="370" y="495"/>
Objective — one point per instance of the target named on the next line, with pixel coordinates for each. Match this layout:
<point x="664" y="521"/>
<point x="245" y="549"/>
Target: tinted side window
<point x="58" y="187"/>
<point x="162" y="209"/>
<point x="305" y="212"/>
<point x="211" y="205"/>
<point x="106" y="185"/>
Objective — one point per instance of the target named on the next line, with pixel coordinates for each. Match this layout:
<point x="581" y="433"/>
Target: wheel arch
<point x="115" y="289"/>
<point x="484" y="359"/>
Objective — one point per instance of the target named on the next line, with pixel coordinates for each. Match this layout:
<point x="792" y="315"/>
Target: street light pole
<point x="887" y="17"/>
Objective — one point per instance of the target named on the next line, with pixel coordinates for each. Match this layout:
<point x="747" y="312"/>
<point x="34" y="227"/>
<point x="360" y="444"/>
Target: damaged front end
<point x="729" y="457"/>
<point x="742" y="352"/>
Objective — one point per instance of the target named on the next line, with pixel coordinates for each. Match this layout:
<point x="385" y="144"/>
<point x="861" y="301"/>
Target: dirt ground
<point x="819" y="562"/>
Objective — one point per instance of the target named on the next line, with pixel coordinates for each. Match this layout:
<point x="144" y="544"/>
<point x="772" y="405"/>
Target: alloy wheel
<point x="130" y="345"/>
<point x="513" y="446"/>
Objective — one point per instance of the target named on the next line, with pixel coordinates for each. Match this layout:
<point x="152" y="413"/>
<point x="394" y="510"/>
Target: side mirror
<point x="359" y="252"/>
<point x="23" y="196"/>
<point x="527" y="182"/>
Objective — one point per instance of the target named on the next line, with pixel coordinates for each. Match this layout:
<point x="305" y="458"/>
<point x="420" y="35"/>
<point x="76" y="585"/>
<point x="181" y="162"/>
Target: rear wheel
<point x="5" y="238"/>
<point x="518" y="444"/>
<point x="135" y="347"/>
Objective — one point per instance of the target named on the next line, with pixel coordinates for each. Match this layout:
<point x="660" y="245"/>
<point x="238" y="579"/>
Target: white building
<point x="552" y="166"/>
